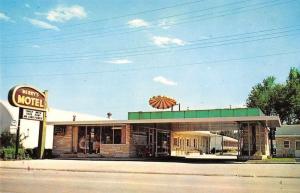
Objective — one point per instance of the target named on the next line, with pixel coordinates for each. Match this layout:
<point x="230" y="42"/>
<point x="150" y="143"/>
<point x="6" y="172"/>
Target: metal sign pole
<point x="42" y="130"/>
<point x="18" y="133"/>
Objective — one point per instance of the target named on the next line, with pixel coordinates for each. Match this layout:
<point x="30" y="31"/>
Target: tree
<point x="293" y="95"/>
<point x="261" y="95"/>
<point x="278" y="99"/>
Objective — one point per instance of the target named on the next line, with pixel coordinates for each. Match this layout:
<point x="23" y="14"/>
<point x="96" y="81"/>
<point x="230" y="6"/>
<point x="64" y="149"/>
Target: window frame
<point x="289" y="146"/>
<point x="296" y="145"/>
<point x="62" y="129"/>
<point x="175" y="141"/>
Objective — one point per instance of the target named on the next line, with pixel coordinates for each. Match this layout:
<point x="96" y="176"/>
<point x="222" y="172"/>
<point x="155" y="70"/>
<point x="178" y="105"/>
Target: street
<point x="156" y="177"/>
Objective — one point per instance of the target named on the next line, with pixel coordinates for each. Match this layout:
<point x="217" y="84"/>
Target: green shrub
<point x="8" y="153"/>
<point x="7" y="139"/>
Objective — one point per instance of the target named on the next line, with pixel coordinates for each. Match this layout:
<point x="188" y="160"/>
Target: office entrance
<point x="151" y="142"/>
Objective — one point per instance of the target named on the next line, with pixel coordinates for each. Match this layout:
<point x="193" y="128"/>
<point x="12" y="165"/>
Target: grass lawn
<point x="275" y="160"/>
<point x="284" y="159"/>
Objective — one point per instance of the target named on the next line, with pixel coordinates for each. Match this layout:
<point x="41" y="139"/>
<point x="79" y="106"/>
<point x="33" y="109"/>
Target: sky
<point x="113" y="56"/>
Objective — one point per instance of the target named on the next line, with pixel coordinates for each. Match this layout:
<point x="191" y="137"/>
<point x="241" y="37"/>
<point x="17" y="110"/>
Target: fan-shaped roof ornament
<point x="162" y="102"/>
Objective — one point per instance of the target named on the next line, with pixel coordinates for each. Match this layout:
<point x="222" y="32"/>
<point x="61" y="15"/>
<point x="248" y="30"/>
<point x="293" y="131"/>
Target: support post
<point x="248" y="139"/>
<point x="18" y="133"/>
<point x="222" y="144"/>
<point x="239" y="139"/>
<point x="100" y="141"/>
<point x="42" y="131"/>
<point x="259" y="129"/>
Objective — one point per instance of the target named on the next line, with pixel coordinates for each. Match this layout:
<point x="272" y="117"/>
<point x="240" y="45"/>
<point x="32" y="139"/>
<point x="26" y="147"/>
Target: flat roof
<point x="270" y="121"/>
<point x="209" y="113"/>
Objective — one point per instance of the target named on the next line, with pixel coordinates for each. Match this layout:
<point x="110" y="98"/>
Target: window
<point x="107" y="135"/>
<point x="187" y="142"/>
<point x="139" y="136"/>
<point x="117" y="136"/>
<point x="286" y="144"/>
<point x="59" y="130"/>
<point x="297" y="145"/>
<point x="195" y="142"/>
<point x="175" y="142"/>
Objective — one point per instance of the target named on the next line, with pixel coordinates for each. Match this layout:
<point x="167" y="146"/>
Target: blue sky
<point x="112" y="56"/>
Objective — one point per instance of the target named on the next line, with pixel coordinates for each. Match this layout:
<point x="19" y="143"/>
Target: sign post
<point x="18" y="134"/>
<point x="32" y="105"/>
<point x="42" y="132"/>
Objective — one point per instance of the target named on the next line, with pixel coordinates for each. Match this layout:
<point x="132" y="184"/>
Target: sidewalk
<point x="168" y="168"/>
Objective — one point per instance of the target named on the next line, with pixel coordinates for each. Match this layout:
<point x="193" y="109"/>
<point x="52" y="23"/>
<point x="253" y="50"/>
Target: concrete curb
<point x="149" y="173"/>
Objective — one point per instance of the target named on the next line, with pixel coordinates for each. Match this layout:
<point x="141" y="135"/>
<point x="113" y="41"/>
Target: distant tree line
<point x="282" y="99"/>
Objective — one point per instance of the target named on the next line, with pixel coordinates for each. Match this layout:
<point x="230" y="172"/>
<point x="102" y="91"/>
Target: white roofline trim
<point x="182" y="120"/>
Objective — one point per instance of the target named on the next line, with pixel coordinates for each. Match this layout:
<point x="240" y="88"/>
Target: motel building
<point x="165" y="133"/>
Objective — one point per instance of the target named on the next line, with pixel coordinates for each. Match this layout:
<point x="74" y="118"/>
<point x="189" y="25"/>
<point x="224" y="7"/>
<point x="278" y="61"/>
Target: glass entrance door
<point x="162" y="143"/>
<point x="89" y="140"/>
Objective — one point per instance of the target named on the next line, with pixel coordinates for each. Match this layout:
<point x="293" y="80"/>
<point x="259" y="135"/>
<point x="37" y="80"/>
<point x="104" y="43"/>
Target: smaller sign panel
<point x="33" y="115"/>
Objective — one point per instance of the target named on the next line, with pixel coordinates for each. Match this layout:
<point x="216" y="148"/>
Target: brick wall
<point x="68" y="143"/>
<point x="118" y="150"/>
<point x="114" y="150"/>
<point x="63" y="144"/>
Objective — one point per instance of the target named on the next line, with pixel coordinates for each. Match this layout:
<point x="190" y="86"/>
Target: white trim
<point x="274" y="119"/>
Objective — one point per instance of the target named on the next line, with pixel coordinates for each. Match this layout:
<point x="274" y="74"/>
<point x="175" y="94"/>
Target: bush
<point x="8" y="153"/>
<point x="7" y="139"/>
<point x="31" y="153"/>
<point x="48" y="154"/>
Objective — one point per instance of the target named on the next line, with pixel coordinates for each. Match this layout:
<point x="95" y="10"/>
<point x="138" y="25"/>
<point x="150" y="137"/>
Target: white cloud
<point x="164" y="41"/>
<point x="120" y="61"/>
<point x="4" y="17"/>
<point x="41" y="24"/>
<point x="138" y="23"/>
<point x="62" y="13"/>
<point x="165" y="24"/>
<point x="165" y="81"/>
<point x="27" y="5"/>
<point x="36" y="46"/>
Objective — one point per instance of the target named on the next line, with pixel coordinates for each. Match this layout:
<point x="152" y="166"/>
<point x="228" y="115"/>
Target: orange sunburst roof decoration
<point x="162" y="102"/>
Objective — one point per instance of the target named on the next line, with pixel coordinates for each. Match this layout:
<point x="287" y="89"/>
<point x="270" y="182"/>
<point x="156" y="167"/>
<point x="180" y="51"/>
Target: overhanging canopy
<point x="204" y="123"/>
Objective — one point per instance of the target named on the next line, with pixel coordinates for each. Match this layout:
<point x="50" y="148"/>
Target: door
<point x="162" y="143"/>
<point x="297" y="149"/>
<point x="151" y="142"/>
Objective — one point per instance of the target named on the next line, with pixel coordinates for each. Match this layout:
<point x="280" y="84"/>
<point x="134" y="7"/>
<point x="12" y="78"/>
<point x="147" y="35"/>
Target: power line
<point x="156" y="51"/>
<point x="151" y="67"/>
<point x="142" y="47"/>
<point x="124" y="16"/>
<point x="126" y="26"/>
<point x="192" y="19"/>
